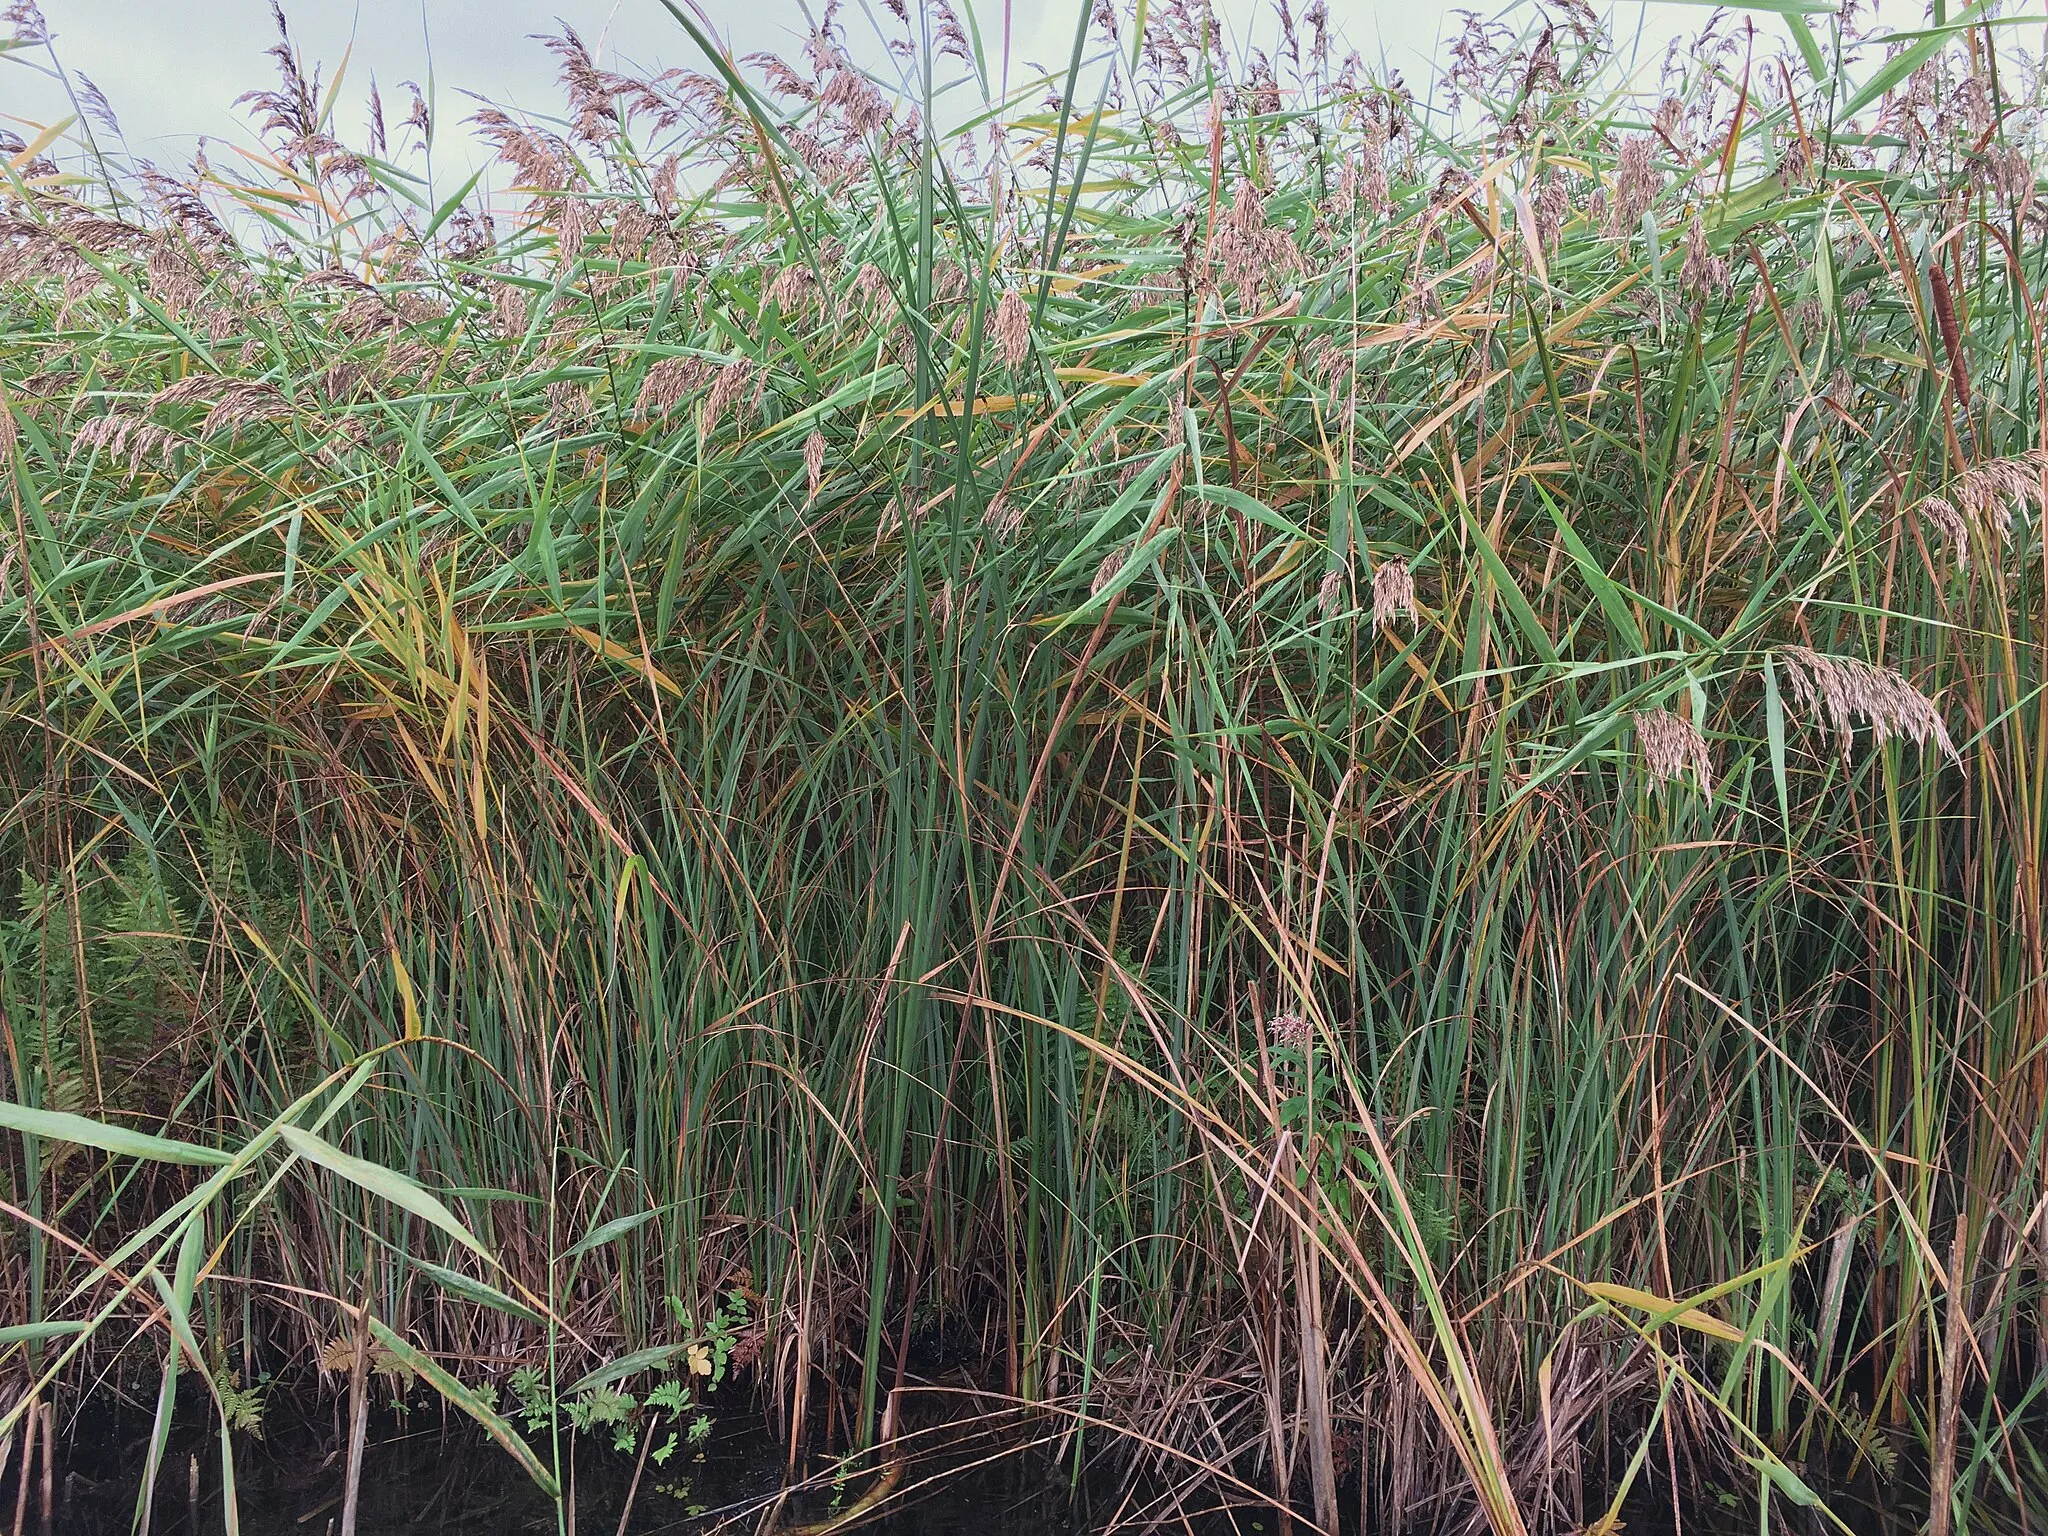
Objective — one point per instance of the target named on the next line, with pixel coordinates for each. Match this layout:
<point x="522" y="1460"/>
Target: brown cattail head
<point x="1393" y="594"/>
<point x="1844" y="690"/>
<point x="1672" y="746"/>
<point x="1951" y="332"/>
<point x="814" y="460"/>
<point x="1013" y="328"/>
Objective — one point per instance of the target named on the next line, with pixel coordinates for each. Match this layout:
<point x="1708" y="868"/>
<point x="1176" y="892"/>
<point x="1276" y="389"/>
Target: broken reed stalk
<point x="358" y="1420"/>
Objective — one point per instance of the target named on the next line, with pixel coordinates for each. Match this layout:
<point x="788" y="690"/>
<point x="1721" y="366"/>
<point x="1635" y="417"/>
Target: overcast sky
<point x="172" y="68"/>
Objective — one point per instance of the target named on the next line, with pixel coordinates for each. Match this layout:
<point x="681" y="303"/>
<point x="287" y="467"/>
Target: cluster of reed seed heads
<point x="814" y="461"/>
<point x="233" y="403"/>
<point x="1252" y="250"/>
<point x="1842" y="690"/>
<point x="1330" y="593"/>
<point x="1393" y="594"/>
<point x="1364" y="179"/>
<point x="1290" y="1030"/>
<point x="1703" y="275"/>
<point x="1106" y="571"/>
<point x="125" y="438"/>
<point x="1003" y="518"/>
<point x="791" y="290"/>
<point x="1942" y="515"/>
<point x="1636" y="183"/>
<point x="669" y="382"/>
<point x="1672" y="746"/>
<point x="726" y="391"/>
<point x="1012" y="328"/>
<point x="1550" y="208"/>
<point x="1987" y="495"/>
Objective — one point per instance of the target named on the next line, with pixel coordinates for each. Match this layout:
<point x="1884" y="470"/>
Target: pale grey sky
<point x="172" y="68"/>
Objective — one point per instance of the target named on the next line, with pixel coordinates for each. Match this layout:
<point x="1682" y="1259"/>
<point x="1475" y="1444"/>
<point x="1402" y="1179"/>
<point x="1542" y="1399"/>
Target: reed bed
<point x="1349" y="781"/>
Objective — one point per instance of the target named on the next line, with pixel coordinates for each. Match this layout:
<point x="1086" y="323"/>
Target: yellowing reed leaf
<point x="1684" y="1314"/>
<point x="42" y="141"/>
<point x="625" y="656"/>
<point x="982" y="405"/>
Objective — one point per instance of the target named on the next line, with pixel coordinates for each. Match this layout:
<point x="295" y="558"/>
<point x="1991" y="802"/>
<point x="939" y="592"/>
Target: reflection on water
<point x="423" y="1475"/>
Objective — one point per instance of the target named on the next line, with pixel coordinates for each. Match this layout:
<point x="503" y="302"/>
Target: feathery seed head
<point x="1252" y="250"/>
<point x="1290" y="1030"/>
<point x="126" y="438"/>
<point x="1940" y="513"/>
<point x="508" y="310"/>
<point x="1013" y="328"/>
<point x="1987" y="495"/>
<point x="1003" y="518"/>
<point x="1843" y="690"/>
<point x="669" y="382"/>
<point x="726" y="391"/>
<point x="569" y="406"/>
<point x="1673" y="745"/>
<point x="791" y="289"/>
<point x="814" y="461"/>
<point x="1551" y="207"/>
<point x="1393" y="594"/>
<point x="1636" y="183"/>
<point x="1704" y="275"/>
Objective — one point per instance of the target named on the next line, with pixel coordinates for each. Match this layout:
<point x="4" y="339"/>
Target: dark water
<point x="426" y="1474"/>
<point x="421" y="1475"/>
